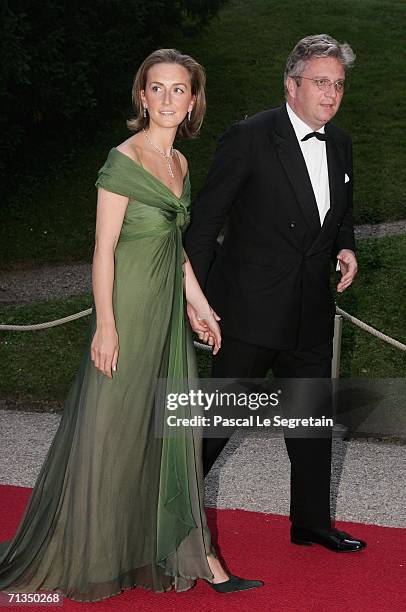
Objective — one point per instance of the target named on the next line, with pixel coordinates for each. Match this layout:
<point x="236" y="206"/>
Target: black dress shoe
<point x="338" y="541"/>
<point x="234" y="583"/>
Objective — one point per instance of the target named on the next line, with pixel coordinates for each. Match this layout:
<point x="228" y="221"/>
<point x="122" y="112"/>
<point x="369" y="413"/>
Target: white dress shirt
<point x="314" y="153"/>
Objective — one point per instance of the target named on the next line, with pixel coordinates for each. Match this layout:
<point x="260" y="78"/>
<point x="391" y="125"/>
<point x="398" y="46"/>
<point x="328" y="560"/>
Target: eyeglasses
<point x="325" y="84"/>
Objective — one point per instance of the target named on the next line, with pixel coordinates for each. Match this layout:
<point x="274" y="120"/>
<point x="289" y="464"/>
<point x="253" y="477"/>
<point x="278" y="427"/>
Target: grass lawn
<point x="378" y="297"/>
<point x="50" y="217"/>
<point x="39" y="366"/>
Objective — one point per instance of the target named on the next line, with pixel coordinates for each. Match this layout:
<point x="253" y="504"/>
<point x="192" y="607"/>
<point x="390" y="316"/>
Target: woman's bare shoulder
<point x="131" y="147"/>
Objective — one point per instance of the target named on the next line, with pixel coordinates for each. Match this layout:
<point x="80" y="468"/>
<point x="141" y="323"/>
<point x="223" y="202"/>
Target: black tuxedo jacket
<point x="269" y="280"/>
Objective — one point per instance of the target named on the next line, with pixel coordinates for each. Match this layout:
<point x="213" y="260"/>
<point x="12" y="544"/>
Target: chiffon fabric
<point x="114" y="505"/>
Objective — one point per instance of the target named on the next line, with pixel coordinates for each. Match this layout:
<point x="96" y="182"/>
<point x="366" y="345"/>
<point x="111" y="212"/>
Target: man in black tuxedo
<point x="283" y="179"/>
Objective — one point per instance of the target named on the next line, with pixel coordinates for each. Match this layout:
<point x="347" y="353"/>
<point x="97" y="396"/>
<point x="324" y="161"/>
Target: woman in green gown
<point x="115" y="505"/>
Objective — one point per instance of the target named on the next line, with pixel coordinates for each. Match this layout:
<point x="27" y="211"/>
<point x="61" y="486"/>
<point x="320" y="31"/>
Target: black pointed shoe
<point x="338" y="541"/>
<point x="234" y="584"/>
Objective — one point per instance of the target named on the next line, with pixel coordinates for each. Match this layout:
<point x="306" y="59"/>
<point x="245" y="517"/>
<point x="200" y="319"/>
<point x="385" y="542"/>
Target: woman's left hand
<point x="206" y="326"/>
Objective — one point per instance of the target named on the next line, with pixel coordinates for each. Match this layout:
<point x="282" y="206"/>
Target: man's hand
<point x="348" y="267"/>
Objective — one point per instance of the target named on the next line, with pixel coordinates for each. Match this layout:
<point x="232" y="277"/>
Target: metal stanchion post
<point x="340" y="430"/>
<point x="338" y="330"/>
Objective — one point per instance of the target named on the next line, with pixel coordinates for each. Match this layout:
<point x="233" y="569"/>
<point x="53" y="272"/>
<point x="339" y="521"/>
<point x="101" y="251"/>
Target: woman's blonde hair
<point x="187" y="129"/>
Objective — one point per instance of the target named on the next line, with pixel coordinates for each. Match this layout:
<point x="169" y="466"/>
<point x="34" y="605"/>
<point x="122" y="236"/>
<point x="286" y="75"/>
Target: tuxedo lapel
<point x="336" y="174"/>
<point x="292" y="160"/>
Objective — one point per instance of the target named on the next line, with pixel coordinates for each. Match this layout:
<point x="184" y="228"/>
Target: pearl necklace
<point x="166" y="157"/>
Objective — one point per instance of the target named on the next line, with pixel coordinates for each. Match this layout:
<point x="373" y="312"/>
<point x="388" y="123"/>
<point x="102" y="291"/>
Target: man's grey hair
<point x="311" y="47"/>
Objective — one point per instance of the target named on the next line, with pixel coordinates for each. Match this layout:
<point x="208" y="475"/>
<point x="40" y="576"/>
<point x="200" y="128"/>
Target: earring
<point x="189" y="115"/>
<point x="145" y="112"/>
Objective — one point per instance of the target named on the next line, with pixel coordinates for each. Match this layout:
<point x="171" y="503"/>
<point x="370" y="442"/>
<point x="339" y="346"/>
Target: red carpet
<point x="256" y="545"/>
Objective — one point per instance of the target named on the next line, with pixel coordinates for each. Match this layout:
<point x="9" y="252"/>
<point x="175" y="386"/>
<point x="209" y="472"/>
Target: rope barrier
<point x="364" y="326"/>
<point x="77" y="315"/>
<point x="36" y="326"/>
<point x="371" y="330"/>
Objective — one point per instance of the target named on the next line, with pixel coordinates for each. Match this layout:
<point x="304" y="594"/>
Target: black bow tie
<point x="317" y="135"/>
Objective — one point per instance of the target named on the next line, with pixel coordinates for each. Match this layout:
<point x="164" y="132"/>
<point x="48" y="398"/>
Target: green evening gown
<point x="114" y="505"/>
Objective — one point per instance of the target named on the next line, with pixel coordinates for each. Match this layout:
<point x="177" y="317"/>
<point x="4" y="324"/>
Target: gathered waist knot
<point x="180" y="216"/>
<point x="175" y="219"/>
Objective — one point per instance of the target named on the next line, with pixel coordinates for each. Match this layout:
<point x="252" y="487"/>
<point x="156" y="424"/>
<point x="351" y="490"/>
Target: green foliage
<point x="65" y="62"/>
<point x="48" y="216"/>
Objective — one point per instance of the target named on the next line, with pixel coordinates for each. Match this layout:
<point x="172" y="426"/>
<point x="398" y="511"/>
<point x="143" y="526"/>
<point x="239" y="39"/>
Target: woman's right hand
<point x="104" y="350"/>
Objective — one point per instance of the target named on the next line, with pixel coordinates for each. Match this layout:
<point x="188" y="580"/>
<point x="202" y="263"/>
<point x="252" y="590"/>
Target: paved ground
<point x="252" y="473"/>
<point x="45" y="283"/>
<point x="56" y="282"/>
<point x="390" y="228"/>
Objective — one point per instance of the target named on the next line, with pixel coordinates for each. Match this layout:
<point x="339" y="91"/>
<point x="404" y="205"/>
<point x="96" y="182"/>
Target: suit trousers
<point x="310" y="457"/>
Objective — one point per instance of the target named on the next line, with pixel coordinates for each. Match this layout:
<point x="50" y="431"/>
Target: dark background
<point x="63" y="64"/>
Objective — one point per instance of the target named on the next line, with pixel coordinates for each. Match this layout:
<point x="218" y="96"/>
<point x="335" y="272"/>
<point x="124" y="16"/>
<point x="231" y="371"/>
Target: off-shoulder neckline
<point x="152" y="176"/>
